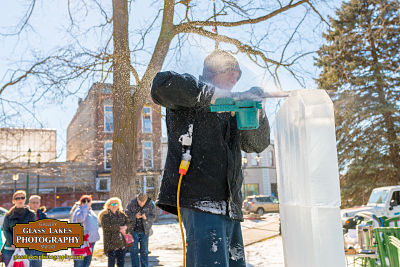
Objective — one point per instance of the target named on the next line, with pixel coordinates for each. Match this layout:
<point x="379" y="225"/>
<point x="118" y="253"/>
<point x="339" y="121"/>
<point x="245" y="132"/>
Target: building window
<point x="147" y="149"/>
<point x="271" y="158"/>
<point x="139" y="184"/>
<point x="163" y="122"/>
<point x="149" y="187"/>
<point x="250" y="190"/>
<point x="244" y="159"/>
<point x="108" y="119"/>
<point x="107" y="155"/>
<point x="254" y="161"/>
<point x="103" y="184"/>
<point x="146" y="120"/>
<point x="274" y="189"/>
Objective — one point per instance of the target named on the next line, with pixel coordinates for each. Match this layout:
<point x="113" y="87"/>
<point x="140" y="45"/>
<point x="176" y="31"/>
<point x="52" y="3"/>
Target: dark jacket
<point x="215" y="170"/>
<point x="112" y="237"/>
<point x="14" y="216"/>
<point x="41" y="213"/>
<point x="148" y="209"/>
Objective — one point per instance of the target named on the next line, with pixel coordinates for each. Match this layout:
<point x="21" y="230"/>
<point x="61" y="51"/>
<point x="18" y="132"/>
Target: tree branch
<point x="319" y="14"/>
<point x="182" y="26"/>
<point x="20" y="78"/>
<point x="25" y="20"/>
<point x="240" y="46"/>
<point x="135" y="74"/>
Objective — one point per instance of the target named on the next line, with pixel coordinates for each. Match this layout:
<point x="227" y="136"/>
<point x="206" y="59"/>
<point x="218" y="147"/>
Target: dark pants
<point x="34" y="262"/>
<point x="7" y="254"/>
<point x="86" y="260"/>
<point x="118" y="255"/>
<point x="212" y="240"/>
<point x="142" y="239"/>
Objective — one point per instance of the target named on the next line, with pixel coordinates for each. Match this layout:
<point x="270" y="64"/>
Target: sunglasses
<point x="19" y="198"/>
<point x="114" y="204"/>
<point x="85" y="201"/>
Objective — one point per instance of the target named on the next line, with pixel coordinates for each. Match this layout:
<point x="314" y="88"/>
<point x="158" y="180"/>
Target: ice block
<point x="308" y="181"/>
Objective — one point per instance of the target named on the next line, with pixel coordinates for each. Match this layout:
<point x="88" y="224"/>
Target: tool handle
<point x="276" y="94"/>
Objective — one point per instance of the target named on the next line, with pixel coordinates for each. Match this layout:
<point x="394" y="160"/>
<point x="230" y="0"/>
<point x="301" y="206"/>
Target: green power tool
<point x="246" y="110"/>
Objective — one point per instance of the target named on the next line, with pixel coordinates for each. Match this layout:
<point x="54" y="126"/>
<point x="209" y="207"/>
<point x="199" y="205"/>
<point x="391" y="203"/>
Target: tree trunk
<point x="123" y="164"/>
<point x="127" y="109"/>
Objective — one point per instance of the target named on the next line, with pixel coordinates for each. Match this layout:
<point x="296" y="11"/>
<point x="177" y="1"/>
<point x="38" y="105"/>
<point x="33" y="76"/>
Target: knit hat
<point x="218" y="62"/>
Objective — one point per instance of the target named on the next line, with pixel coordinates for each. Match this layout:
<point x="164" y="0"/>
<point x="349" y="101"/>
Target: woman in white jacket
<point x="88" y="219"/>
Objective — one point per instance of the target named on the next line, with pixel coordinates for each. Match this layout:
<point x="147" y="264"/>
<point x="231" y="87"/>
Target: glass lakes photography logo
<point x="48" y="235"/>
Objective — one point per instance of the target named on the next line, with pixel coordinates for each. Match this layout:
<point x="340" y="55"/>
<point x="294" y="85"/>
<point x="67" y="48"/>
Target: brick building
<point x="89" y="139"/>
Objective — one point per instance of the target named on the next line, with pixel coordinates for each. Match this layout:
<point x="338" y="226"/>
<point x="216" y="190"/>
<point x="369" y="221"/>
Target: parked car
<point x="58" y="212"/>
<point x="260" y="204"/>
<point x="97" y="206"/>
<point x="3" y="212"/>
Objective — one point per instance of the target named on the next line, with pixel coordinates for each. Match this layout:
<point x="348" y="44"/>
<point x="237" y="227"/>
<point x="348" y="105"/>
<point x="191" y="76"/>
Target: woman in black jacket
<point x="19" y="213"/>
<point x="115" y="223"/>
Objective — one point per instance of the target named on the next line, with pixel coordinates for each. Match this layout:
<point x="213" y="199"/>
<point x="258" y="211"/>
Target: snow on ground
<point x="166" y="248"/>
<point x="267" y="253"/>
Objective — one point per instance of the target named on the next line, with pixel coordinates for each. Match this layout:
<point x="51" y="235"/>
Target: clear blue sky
<point x="49" y="23"/>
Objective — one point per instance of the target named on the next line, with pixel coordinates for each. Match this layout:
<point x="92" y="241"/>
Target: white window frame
<point x="105" y="112"/>
<point x="152" y="155"/>
<point x="98" y="180"/>
<point x="106" y="147"/>
<point x="151" y="119"/>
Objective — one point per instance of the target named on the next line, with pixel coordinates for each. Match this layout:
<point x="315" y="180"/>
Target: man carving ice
<point x="210" y="196"/>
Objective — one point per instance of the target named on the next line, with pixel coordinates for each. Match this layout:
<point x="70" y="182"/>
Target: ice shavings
<point x="214" y="247"/>
<point x="204" y="91"/>
<point x="214" y="207"/>
<point x="237" y="252"/>
<point x="230" y="210"/>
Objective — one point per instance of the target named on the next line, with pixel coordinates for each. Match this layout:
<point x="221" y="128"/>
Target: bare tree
<point x="244" y="26"/>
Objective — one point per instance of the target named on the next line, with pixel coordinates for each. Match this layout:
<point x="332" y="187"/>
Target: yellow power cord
<point x="180" y="221"/>
<point x="183" y="168"/>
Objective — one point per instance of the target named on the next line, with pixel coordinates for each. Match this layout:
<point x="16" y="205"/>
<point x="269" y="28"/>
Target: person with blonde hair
<point x="115" y="223"/>
<point x="19" y="213"/>
<point x="86" y="216"/>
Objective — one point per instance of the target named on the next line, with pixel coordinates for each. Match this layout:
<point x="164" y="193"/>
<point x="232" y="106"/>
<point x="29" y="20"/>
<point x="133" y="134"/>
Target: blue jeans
<point x="118" y="255"/>
<point x="86" y="260"/>
<point x="7" y="254"/>
<point x="34" y="263"/>
<point x="143" y="239"/>
<point x="212" y="240"/>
